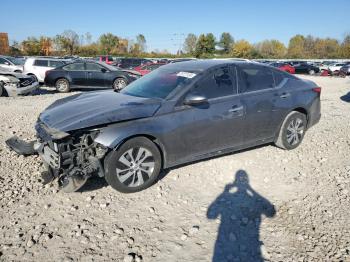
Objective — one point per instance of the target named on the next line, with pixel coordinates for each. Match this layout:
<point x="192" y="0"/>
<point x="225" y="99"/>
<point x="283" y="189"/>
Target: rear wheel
<point x="34" y="77"/>
<point x="311" y="72"/>
<point x="135" y="166"/>
<point x="119" y="84"/>
<point x="292" y="131"/>
<point x="62" y="85"/>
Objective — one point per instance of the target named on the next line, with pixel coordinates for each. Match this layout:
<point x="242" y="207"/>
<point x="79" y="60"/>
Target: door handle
<point x="235" y="109"/>
<point x="285" y="95"/>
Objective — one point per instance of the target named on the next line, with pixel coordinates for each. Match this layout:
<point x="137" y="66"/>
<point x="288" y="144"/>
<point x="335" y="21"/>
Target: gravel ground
<point x="291" y="205"/>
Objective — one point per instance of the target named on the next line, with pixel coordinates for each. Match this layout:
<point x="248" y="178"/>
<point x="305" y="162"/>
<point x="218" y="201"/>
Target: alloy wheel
<point x="119" y="84"/>
<point x="62" y="85"/>
<point x="135" y="167"/>
<point x="295" y="131"/>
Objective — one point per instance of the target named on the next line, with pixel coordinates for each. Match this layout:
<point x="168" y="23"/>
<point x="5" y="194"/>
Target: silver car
<point x="11" y="63"/>
<point x="13" y="84"/>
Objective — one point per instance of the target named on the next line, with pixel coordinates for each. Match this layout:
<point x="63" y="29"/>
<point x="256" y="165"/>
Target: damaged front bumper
<point x="71" y="159"/>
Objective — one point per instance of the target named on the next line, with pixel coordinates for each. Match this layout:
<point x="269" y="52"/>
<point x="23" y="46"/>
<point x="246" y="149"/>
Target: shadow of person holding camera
<point x="240" y="209"/>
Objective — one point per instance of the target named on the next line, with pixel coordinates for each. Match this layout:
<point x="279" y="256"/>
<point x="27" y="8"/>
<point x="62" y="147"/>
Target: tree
<point x="45" y="45"/>
<point x="242" y="48"/>
<point x="226" y="41"/>
<point x="345" y="47"/>
<point x="68" y="41"/>
<point x="109" y="42"/>
<point x="296" y="47"/>
<point x="190" y="43"/>
<point x="141" y="41"/>
<point x="15" y="49"/>
<point x="271" y="49"/>
<point x="31" y="46"/>
<point x="326" y="48"/>
<point x="205" y="45"/>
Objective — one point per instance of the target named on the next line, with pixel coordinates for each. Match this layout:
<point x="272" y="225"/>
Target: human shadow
<point x="346" y="98"/>
<point x="241" y="214"/>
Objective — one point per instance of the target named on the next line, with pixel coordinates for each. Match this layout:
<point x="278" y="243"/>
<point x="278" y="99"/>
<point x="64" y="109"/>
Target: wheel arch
<point x="152" y="138"/>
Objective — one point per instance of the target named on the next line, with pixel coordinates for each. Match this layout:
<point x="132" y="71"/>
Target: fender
<point x="114" y="135"/>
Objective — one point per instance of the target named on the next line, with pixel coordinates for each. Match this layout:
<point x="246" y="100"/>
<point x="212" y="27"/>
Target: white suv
<point x="37" y="66"/>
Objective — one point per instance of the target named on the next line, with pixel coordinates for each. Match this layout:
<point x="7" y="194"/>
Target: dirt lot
<point x="291" y="205"/>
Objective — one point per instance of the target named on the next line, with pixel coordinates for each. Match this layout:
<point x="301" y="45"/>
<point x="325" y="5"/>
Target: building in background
<point x="4" y="44"/>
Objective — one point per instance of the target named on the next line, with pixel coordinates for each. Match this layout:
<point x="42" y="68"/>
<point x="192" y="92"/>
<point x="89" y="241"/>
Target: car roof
<point x="202" y="65"/>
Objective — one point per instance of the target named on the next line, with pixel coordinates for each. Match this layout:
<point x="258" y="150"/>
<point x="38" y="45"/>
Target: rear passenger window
<point x="41" y="63"/>
<point x="255" y="78"/>
<point x="219" y="83"/>
<point x="74" y="67"/>
<point x="55" y="63"/>
<point x="279" y="77"/>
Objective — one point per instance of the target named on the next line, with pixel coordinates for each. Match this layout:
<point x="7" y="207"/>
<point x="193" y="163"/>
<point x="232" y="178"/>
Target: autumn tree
<point x="296" y="47"/>
<point x="190" y="44"/>
<point x="226" y="41"/>
<point x="242" y="48"/>
<point x="345" y="47"/>
<point x="271" y="49"/>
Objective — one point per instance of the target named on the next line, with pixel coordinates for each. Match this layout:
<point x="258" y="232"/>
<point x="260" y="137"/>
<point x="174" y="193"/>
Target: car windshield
<point x="159" y="83"/>
<point x="16" y="61"/>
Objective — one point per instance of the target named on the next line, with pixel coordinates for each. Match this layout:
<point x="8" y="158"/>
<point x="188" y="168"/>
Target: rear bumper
<point x="314" y="113"/>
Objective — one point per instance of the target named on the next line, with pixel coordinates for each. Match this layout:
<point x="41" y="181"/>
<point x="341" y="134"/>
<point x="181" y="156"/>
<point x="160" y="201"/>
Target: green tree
<point x="67" y="42"/>
<point x="190" y="44"/>
<point x="205" y="45"/>
<point x="108" y="42"/>
<point x="31" y="46"/>
<point x="242" y="49"/>
<point x="141" y="42"/>
<point x="226" y="41"/>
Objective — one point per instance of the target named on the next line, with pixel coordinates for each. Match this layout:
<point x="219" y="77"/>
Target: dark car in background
<point x="130" y="63"/>
<point x="89" y="74"/>
<point x="177" y="114"/>
<point x="304" y="68"/>
<point x="345" y="70"/>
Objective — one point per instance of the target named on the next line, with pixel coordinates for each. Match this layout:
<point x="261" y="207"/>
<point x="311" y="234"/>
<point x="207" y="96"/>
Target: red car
<point x="284" y="67"/>
<point x="106" y="59"/>
<point x="145" y="69"/>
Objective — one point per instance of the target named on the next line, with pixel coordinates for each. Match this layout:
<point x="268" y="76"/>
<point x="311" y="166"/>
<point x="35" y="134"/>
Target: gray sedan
<point x="177" y="114"/>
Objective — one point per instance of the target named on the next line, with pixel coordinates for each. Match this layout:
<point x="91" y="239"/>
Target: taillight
<point x="317" y="89"/>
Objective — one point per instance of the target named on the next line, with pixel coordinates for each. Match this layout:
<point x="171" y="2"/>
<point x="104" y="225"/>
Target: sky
<point x="166" y="23"/>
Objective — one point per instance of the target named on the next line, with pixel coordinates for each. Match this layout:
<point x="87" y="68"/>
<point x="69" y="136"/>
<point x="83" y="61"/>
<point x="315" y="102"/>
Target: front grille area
<point x="25" y="81"/>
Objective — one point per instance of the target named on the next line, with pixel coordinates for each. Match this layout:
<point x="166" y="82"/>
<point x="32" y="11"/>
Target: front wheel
<point x="119" y="84"/>
<point x="135" y="166"/>
<point x="292" y="131"/>
<point x="62" y="85"/>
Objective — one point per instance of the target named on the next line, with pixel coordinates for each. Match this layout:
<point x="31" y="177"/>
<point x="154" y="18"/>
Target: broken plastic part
<point x="21" y="147"/>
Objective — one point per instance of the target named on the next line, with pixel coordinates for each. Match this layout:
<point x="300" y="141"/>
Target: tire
<point x="292" y="131"/>
<point x="135" y="166"/>
<point x="34" y="76"/>
<point x="62" y="85"/>
<point x="119" y="83"/>
<point x="311" y="72"/>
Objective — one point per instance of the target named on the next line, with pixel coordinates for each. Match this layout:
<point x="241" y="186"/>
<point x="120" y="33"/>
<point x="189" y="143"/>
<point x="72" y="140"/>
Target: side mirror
<point x="193" y="99"/>
<point x="103" y="70"/>
<point x="7" y="63"/>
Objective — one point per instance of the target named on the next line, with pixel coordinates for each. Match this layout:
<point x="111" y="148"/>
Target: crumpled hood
<point x="96" y="108"/>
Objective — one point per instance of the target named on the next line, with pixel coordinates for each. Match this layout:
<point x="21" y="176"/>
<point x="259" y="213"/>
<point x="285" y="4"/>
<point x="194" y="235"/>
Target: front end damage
<point x="71" y="158"/>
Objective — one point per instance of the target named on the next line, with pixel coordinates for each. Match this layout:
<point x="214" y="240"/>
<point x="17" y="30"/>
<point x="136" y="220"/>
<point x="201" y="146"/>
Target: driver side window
<point x="218" y="83"/>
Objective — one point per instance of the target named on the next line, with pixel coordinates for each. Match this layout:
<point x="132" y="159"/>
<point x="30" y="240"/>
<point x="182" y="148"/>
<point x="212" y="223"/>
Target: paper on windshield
<point x="186" y="74"/>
